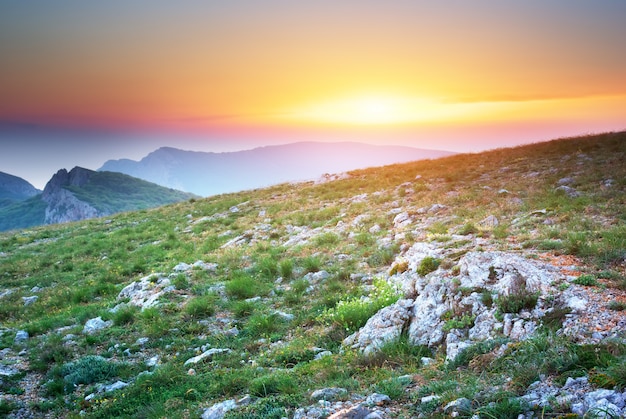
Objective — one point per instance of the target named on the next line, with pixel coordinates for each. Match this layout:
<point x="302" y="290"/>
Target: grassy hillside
<point x="257" y="296"/>
<point x="111" y="192"/>
<point x="23" y="214"/>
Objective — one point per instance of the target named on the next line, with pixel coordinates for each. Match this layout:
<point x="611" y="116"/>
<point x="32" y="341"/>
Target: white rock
<point x="146" y="292"/>
<point x="94" y="325"/>
<point x="205" y="355"/>
<point x="218" y="411"/>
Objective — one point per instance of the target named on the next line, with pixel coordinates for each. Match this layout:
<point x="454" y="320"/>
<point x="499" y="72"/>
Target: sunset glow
<point x="449" y="75"/>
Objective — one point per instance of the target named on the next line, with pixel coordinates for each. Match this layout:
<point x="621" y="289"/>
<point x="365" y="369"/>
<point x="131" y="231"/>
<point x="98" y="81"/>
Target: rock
<point x="569" y="191"/>
<point x="430" y="399"/>
<point x="377" y="399"/>
<point x="330" y="394"/>
<point x="565" y="181"/>
<point x="142" y="341"/>
<point x="577" y="304"/>
<point x="152" y="362"/>
<point x="205" y="355"/>
<point x="7" y="371"/>
<point x="211" y="267"/>
<point x="182" y="267"/>
<point x="145" y="293"/>
<point x="427" y="361"/>
<point x="21" y="336"/>
<point x="402" y="220"/>
<point x="356" y="412"/>
<point x="29" y="300"/>
<point x="94" y="325"/>
<point x="218" y="411"/>
<point x="458" y="406"/>
<point x="316" y="277"/>
<point x="115" y="386"/>
<point x="490" y="222"/>
<point x="285" y="316"/>
<point x="322" y="355"/>
<point x="385" y="326"/>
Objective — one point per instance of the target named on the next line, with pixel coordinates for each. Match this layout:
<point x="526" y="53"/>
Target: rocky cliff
<point x="63" y="206"/>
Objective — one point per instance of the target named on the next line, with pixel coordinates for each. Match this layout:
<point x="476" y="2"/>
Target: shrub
<point x="285" y="267"/>
<point x="311" y="264"/>
<point x="199" y="307"/>
<point x="125" y="315"/>
<point x="462" y="322"/>
<point x="393" y="387"/>
<point x="427" y="265"/>
<point x="242" y="287"/>
<point x="242" y="309"/>
<point x="275" y="383"/>
<point x="263" y="324"/>
<point x="586" y="280"/>
<point x="88" y="370"/>
<point x="519" y="298"/>
<point x="468" y="228"/>
<point x="353" y="313"/>
<point x="383" y="256"/>
<point x="617" y="306"/>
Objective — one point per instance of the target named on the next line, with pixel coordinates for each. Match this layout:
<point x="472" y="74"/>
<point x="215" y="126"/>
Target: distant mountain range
<point x="205" y="173"/>
<point x="77" y="195"/>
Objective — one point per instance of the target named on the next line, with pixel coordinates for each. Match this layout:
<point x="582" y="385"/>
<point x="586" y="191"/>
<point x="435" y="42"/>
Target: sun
<point x="368" y="110"/>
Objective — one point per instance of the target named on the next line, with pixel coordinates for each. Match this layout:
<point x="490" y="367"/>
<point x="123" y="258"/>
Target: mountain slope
<point x="82" y="194"/>
<point x="213" y="173"/>
<point x="488" y="285"/>
<point x="13" y="188"/>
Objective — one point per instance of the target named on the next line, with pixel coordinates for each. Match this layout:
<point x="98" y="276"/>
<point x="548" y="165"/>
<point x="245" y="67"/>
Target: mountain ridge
<point x="14" y="188"/>
<point x="211" y="173"/>
<point x="81" y="194"/>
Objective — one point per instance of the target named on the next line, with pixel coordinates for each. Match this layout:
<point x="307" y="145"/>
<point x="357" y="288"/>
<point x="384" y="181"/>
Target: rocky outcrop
<point x="458" y="307"/>
<point x="63" y="206"/>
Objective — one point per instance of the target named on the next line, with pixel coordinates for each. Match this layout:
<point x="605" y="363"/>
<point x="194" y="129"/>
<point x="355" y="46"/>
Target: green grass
<point x="81" y="267"/>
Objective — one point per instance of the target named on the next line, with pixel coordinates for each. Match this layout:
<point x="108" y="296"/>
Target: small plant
<point x="617" y="306"/>
<point x="468" y="228"/>
<point x="125" y="315"/>
<point x="586" y="280"/>
<point x="462" y="322"/>
<point x="181" y="282"/>
<point x="399" y="267"/>
<point x="486" y="298"/>
<point x="353" y="313"/>
<point x="200" y="307"/>
<point x="88" y="370"/>
<point x="393" y="387"/>
<point x="285" y="268"/>
<point x="242" y="286"/>
<point x="274" y="383"/>
<point x="427" y="265"/>
<point x="311" y="264"/>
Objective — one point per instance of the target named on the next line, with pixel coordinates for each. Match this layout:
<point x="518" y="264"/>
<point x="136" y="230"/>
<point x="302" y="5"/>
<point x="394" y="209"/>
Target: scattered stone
<point x="142" y="341"/>
<point x="152" y="362"/>
<point x="385" y="326"/>
<point x="569" y="191"/>
<point x="21" y="336"/>
<point x="205" y="355"/>
<point x="330" y="394"/>
<point x="29" y="300"/>
<point x="458" y="406"/>
<point x="35" y="289"/>
<point x="146" y="292"/>
<point x="218" y="411"/>
<point x="94" y="325"/>
<point x="211" y="267"/>
<point x="115" y="386"/>
<point x="6" y="371"/>
<point x="490" y="222"/>
<point x="402" y="220"/>
<point x="285" y="316"/>
<point x="356" y="412"/>
<point x="322" y="354"/>
<point x="565" y="181"/>
<point x="182" y="267"/>
<point x="377" y="399"/>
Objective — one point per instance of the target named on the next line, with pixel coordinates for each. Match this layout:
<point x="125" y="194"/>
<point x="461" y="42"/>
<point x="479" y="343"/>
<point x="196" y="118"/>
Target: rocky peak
<point x="15" y="187"/>
<point x="78" y="176"/>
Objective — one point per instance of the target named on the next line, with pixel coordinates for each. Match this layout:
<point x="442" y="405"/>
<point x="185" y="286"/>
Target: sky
<point x="84" y="82"/>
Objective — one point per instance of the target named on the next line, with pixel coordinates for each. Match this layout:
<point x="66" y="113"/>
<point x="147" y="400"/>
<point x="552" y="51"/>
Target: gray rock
<point x="565" y="181"/>
<point x="385" y="326"/>
<point x="330" y="394"/>
<point x="323" y="354"/>
<point x="115" y="386"/>
<point x="218" y="411"/>
<point x="145" y="293"/>
<point x="21" y="336"/>
<point x="205" y="355"/>
<point x="356" y="412"/>
<point x="29" y="300"/>
<point x="569" y="191"/>
<point x="6" y="371"/>
<point x="402" y="220"/>
<point x="285" y="316"/>
<point x="94" y="325"/>
<point x="377" y="399"/>
<point x="182" y="267"/>
<point x="490" y="222"/>
<point x="458" y="406"/>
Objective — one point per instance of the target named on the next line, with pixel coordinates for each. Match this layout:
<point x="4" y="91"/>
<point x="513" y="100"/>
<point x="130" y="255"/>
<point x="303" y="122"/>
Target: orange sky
<point x="416" y="70"/>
